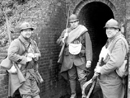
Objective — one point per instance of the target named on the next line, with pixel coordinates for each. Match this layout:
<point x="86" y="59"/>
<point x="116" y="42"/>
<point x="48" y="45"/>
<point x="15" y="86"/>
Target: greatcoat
<point x="15" y="54"/>
<point x="110" y="82"/>
<point x="80" y="59"/>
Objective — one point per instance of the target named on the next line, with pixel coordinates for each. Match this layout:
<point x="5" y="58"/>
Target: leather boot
<point x="73" y="88"/>
<point x="73" y="95"/>
<point x="82" y="82"/>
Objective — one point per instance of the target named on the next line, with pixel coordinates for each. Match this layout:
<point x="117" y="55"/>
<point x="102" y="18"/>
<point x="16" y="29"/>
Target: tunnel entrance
<point x="94" y="16"/>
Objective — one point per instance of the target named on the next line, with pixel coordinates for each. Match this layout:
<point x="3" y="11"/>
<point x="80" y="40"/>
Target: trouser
<point x="29" y="89"/>
<point x="72" y="73"/>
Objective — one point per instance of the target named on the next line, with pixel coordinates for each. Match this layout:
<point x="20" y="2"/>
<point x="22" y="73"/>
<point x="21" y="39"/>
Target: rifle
<point x="63" y="46"/>
<point x="94" y="79"/>
<point x="7" y="25"/>
<point x="20" y="75"/>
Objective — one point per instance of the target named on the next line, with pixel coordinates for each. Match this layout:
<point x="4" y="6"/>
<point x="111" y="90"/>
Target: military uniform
<point x="111" y="84"/>
<point x="27" y="82"/>
<point x="76" y="64"/>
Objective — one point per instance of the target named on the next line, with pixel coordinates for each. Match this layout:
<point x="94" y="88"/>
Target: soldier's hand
<point x="31" y="55"/>
<point x="88" y="64"/>
<point x="63" y="40"/>
<point x="58" y="41"/>
<point x="36" y="56"/>
<point x="98" y="69"/>
<point x="65" y="36"/>
<point x="29" y="59"/>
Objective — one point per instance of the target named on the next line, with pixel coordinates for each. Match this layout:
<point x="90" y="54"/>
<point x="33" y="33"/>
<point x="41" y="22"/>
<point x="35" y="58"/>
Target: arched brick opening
<point x="94" y="16"/>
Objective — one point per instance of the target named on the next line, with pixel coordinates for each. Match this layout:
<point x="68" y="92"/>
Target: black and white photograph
<point x="64" y="48"/>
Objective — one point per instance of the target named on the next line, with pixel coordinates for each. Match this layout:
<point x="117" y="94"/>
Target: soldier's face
<point x="26" y="33"/>
<point x="74" y="24"/>
<point x="111" y="32"/>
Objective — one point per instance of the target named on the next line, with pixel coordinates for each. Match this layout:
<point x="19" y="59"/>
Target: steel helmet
<point x="112" y="23"/>
<point x="73" y="18"/>
<point x="25" y="25"/>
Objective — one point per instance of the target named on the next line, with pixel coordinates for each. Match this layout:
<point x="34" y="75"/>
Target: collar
<point x="26" y="42"/>
<point x="117" y="35"/>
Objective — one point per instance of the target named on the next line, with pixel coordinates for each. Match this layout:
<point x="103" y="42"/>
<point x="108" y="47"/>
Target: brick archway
<point x="81" y="4"/>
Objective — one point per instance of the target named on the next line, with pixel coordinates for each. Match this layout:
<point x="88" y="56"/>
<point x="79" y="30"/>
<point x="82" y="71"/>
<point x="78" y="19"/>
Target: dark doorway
<point x="94" y="16"/>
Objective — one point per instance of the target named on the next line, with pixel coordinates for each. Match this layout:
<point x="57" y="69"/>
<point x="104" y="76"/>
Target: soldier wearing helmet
<point x="113" y="55"/>
<point x="26" y="29"/>
<point x="24" y="53"/>
<point x="112" y="23"/>
<point x="77" y="55"/>
<point x="112" y="28"/>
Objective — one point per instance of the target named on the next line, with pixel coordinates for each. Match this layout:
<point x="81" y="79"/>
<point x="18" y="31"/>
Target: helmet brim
<point x="27" y="28"/>
<point x="71" y="21"/>
<point x="112" y="27"/>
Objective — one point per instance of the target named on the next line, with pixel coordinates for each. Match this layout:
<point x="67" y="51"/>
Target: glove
<point x="88" y="64"/>
<point x="98" y="69"/>
<point x="65" y="36"/>
<point x="29" y="59"/>
<point x="31" y="55"/>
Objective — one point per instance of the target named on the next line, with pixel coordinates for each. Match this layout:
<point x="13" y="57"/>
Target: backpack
<point x="122" y="71"/>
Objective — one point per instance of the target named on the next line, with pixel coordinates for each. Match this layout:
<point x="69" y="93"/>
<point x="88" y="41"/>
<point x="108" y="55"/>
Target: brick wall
<point x="49" y="68"/>
<point x="3" y="77"/>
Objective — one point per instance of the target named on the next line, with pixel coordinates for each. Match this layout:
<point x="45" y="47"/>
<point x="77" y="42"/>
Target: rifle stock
<point x="61" y="54"/>
<point x="91" y="89"/>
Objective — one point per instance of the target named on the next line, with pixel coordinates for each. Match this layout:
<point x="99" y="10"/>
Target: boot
<point x="82" y="82"/>
<point x="73" y="95"/>
<point x="73" y="88"/>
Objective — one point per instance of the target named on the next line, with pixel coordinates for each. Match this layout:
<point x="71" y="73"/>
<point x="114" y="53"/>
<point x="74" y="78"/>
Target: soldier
<point x="24" y="54"/>
<point x="113" y="55"/>
<point x="77" y="55"/>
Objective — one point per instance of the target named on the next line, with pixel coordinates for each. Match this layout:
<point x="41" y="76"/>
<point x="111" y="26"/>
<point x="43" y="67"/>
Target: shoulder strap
<point x="126" y="45"/>
<point x="113" y="45"/>
<point x="80" y="37"/>
<point x="26" y="48"/>
<point x="115" y="41"/>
